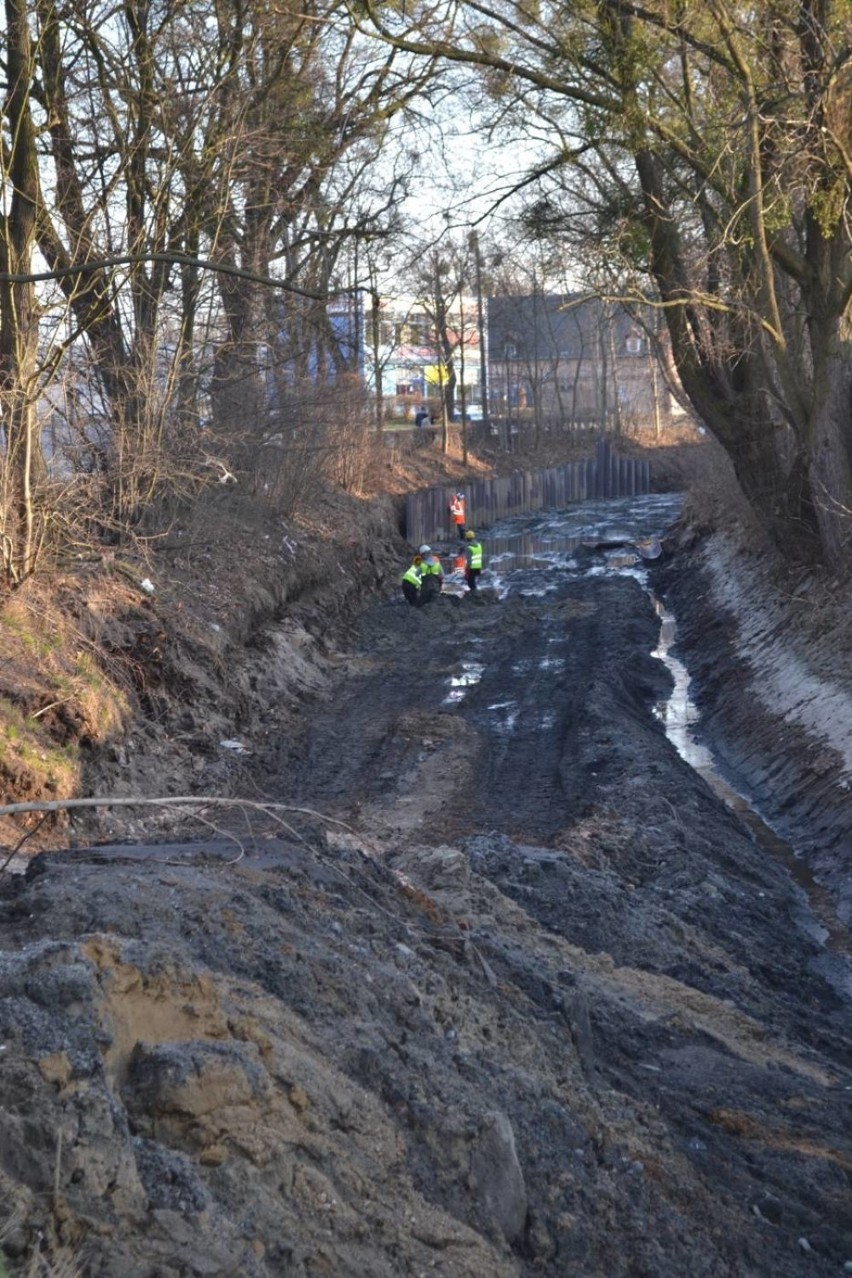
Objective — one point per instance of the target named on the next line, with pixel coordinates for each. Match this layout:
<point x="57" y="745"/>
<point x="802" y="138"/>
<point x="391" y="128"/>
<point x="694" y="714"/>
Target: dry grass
<point x="47" y="1260"/>
<point x="55" y="696"/>
<point x="404" y="461"/>
<point x="57" y="1265"/>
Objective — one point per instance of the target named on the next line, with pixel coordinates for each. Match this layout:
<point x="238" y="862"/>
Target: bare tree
<point x="192" y="180"/>
<point x="18" y="305"/>
<point x="708" y="146"/>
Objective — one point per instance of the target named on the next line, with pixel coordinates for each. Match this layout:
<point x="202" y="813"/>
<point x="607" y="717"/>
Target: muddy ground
<point x="506" y="990"/>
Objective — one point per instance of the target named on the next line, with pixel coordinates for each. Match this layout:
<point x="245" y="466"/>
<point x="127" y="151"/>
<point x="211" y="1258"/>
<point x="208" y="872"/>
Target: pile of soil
<point x="482" y="978"/>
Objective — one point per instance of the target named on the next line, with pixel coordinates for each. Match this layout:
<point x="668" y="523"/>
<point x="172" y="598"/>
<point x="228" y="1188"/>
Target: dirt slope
<point x="526" y="999"/>
<point x="538" y="1017"/>
<point x="773" y="671"/>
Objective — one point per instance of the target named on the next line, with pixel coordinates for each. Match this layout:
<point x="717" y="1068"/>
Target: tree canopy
<point x="166" y="164"/>
<point x="702" y="154"/>
<point x="694" y="155"/>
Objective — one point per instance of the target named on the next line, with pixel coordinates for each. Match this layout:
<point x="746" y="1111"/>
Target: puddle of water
<point x="679" y="714"/>
<point x="528" y="554"/>
<point x="680" y="717"/>
<point x="605" y="570"/>
<point x="547" y="665"/>
<point x="547" y="542"/>
<point x="508" y="712"/>
<point x="510" y="718"/>
<point x="470" y="673"/>
<point x="16" y="865"/>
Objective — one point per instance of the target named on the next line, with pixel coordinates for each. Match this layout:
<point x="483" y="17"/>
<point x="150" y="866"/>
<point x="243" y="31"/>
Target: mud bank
<point x="772" y="682"/>
<point x="221" y="658"/>
<point x="525" y="999"/>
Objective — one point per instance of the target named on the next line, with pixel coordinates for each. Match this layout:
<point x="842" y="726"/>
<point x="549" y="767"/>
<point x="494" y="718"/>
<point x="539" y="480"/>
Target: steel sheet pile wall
<point x="489" y="500"/>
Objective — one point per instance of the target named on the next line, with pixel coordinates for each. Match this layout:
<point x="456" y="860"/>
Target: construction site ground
<point x="480" y="978"/>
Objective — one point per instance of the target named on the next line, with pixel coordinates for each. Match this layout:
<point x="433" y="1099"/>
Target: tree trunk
<point x="237" y="391"/>
<point x="18" y="308"/>
<point x="830" y="443"/>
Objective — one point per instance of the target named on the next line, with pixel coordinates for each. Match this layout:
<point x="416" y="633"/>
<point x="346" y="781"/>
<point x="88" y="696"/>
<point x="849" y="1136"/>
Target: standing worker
<point x="431" y="575"/>
<point x="411" y="582"/>
<point x="457" y="513"/>
<point x="474" y="559"/>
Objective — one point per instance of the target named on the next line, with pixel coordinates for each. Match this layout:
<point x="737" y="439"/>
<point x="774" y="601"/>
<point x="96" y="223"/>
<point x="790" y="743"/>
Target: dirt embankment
<point x="769" y="655"/>
<point x="527" y="999"/>
<point x="122" y="672"/>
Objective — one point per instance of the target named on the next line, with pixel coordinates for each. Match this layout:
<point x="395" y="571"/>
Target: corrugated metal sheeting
<point x="488" y="500"/>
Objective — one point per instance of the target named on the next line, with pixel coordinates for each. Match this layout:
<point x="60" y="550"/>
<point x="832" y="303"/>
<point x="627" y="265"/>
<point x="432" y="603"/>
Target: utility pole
<point x="377" y="371"/>
<point x="536" y="377"/>
<point x="355" y="303"/>
<point x="440" y="347"/>
<point x="462" y="386"/>
<point x="480" y="323"/>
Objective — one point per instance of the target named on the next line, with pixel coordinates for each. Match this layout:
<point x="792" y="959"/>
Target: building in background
<point x="557" y="359"/>
<point x="418" y="353"/>
<point x="573" y="359"/>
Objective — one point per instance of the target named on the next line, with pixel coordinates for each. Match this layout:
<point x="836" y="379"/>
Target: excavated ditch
<point x="684" y="728"/>
<point x="776" y="706"/>
<point x="513" y="992"/>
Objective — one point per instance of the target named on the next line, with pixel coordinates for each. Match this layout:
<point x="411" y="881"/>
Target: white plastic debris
<point x="147" y="585"/>
<point x="236" y="746"/>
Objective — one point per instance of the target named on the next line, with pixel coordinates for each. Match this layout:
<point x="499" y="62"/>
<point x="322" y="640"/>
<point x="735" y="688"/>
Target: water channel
<point x="528" y="554"/>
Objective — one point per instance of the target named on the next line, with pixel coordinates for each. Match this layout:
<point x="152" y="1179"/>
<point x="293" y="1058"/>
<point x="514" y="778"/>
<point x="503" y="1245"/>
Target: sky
<point x="467" y="175"/>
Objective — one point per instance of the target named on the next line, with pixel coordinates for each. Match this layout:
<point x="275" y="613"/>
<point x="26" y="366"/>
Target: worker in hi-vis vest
<point x="431" y="575"/>
<point x="411" y="582"/>
<point x="474" y="559"/>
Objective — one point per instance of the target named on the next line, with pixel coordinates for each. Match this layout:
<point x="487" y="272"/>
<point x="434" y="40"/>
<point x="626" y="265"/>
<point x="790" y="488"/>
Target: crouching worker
<point x="411" y="582"/>
<point x="431" y="575"/>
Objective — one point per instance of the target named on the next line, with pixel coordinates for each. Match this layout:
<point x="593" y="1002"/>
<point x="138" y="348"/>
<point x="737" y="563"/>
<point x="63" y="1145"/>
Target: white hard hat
<point x="425" y="550"/>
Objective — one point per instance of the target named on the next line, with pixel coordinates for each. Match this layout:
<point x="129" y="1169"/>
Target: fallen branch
<point x="272" y="810"/>
<point x="181" y="800"/>
<point x="199" y="802"/>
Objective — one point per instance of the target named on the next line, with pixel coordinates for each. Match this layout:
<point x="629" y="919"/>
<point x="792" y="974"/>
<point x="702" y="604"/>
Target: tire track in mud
<point x="555" y="744"/>
<point x="548" y="669"/>
<point x="551" y="772"/>
<point x="537" y="774"/>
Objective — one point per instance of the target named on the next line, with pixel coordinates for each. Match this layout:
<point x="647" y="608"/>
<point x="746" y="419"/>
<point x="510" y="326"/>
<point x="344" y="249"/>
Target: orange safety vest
<point x="457" y="510"/>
